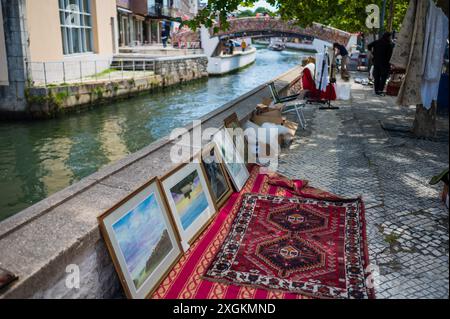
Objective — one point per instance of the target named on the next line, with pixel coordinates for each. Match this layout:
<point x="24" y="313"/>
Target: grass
<point x="103" y="73"/>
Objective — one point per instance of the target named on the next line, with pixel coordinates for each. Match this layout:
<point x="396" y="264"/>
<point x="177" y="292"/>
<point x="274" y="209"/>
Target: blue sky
<point x="138" y="232"/>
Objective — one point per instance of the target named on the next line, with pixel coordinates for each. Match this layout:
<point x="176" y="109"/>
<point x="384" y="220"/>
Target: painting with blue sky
<point x="190" y="199"/>
<point x="143" y="239"/>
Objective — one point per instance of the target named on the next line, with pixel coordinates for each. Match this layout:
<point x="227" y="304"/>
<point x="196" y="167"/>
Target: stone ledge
<point x="39" y="242"/>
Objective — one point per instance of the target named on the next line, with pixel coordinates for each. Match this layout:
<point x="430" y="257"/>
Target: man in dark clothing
<point x="381" y="51"/>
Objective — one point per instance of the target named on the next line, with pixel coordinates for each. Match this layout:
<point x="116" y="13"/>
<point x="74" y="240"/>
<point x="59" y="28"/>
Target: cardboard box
<point x="292" y="126"/>
<point x="261" y="119"/>
<point x="261" y="108"/>
<point x="267" y="101"/>
<point x="272" y="113"/>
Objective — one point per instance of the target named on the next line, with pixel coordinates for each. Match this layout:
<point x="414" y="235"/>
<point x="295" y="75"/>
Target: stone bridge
<point x="271" y="27"/>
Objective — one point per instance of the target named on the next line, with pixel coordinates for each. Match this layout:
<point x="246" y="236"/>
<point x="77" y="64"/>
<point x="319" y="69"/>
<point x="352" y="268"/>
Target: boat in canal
<point x="277" y="46"/>
<point x="228" y="63"/>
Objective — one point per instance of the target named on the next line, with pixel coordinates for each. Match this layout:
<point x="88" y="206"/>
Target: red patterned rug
<point x="298" y="245"/>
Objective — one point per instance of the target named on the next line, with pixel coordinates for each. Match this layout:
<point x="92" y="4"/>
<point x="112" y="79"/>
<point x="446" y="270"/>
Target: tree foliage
<point x="349" y="15"/>
<point x="245" y="13"/>
<point x="251" y="13"/>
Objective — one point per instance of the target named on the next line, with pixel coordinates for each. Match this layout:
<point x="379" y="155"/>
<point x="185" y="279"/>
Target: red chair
<point x="314" y="94"/>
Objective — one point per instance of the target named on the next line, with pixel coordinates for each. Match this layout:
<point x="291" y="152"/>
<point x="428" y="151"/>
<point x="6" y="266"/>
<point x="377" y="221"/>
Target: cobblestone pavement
<point x="347" y="152"/>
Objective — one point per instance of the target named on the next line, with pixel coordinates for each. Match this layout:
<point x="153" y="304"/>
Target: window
<point x="76" y="26"/>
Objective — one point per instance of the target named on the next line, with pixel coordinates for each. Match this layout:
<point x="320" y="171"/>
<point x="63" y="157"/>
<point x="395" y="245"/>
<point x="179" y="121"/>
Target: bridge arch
<point x="266" y="26"/>
<point x="270" y="27"/>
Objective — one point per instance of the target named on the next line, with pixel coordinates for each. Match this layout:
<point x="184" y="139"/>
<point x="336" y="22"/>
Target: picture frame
<point x="189" y="199"/>
<point x="142" y="240"/>
<point x="233" y="161"/>
<point x="216" y="175"/>
<point x="239" y="141"/>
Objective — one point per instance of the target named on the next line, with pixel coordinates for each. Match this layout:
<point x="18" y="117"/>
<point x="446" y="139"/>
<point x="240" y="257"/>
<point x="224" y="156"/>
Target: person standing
<point x="381" y="50"/>
<point x="164" y="38"/>
<point x="339" y="49"/>
<point x="231" y="47"/>
<point x="342" y="51"/>
<point x="243" y="45"/>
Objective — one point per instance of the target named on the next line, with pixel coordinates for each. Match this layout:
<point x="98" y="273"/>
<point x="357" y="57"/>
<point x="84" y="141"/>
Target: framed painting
<point x="141" y="239"/>
<point x="232" y="159"/>
<point x="239" y="139"/>
<point x="189" y="199"/>
<point x="216" y="175"/>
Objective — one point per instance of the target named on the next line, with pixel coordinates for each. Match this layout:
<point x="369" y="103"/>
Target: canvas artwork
<point x="233" y="161"/>
<point x="142" y="240"/>
<point x="189" y="199"/>
<point x="220" y="186"/>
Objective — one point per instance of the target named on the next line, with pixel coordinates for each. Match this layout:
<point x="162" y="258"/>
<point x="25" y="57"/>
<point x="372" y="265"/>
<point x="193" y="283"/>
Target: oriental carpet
<point x="298" y="245"/>
<point x="186" y="281"/>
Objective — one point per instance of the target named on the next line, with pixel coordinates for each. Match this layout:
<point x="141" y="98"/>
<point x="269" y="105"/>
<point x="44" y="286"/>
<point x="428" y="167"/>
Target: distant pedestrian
<point x="243" y="45"/>
<point x="342" y="51"/>
<point x="230" y="47"/>
<point x="381" y="51"/>
<point x="164" y="38"/>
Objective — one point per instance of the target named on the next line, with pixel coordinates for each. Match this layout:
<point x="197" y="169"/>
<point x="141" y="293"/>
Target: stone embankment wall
<point x="39" y="243"/>
<point x="45" y="102"/>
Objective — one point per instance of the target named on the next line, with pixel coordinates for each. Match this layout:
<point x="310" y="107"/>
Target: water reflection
<point x="40" y="158"/>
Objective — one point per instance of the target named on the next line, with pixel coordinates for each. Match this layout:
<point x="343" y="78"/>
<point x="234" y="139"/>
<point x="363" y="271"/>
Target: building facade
<point x="53" y="41"/>
<point x="142" y="22"/>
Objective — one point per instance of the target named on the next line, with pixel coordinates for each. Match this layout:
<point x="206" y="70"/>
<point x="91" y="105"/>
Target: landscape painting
<point x="143" y="239"/>
<point x="190" y="199"/>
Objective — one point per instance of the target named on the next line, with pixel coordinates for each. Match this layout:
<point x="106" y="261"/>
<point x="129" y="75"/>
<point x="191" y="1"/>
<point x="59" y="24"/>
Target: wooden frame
<point x="232" y="122"/>
<point x="153" y="187"/>
<point x="223" y="139"/>
<point x="219" y="202"/>
<point x="188" y="235"/>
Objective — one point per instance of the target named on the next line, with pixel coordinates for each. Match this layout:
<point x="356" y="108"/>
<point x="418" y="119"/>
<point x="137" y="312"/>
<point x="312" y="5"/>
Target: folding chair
<point x="292" y="103"/>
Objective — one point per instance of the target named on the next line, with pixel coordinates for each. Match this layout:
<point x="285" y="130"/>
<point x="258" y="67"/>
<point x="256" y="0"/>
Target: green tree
<point x="263" y="10"/>
<point x="349" y="15"/>
<point x="245" y="13"/>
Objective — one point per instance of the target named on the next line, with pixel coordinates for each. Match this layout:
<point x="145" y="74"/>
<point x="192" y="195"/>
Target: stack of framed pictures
<point x="147" y="232"/>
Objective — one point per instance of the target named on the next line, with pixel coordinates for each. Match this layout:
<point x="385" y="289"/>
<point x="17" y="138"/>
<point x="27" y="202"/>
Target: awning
<point x="123" y="10"/>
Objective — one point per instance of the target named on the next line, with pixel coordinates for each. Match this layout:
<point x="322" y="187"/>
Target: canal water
<point x="40" y="158"/>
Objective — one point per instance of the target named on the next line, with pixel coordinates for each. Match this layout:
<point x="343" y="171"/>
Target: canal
<point x="40" y="158"/>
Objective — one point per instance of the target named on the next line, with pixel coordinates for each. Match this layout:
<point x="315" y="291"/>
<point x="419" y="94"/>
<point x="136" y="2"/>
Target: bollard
<point x="45" y="74"/>
<point x="64" y="72"/>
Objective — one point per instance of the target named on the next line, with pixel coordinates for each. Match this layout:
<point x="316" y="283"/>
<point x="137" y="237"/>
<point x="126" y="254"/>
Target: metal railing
<point x="75" y="72"/>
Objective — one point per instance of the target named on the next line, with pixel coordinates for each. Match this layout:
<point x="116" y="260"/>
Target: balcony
<point x="140" y="6"/>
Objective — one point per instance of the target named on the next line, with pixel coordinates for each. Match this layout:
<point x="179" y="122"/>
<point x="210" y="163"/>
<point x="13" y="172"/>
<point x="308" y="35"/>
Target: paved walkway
<point x="347" y="152"/>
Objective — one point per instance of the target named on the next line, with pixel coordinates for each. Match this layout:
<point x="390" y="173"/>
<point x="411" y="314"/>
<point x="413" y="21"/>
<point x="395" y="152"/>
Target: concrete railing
<point x="40" y="242"/>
